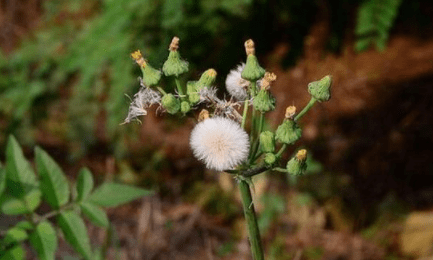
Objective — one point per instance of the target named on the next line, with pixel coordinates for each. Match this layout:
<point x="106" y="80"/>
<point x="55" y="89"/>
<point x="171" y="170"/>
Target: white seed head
<point x="236" y="85"/>
<point x="142" y="100"/>
<point x="220" y="143"/>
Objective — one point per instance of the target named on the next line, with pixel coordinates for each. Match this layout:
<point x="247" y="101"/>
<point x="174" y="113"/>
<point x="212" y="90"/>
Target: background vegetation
<point x="65" y="70"/>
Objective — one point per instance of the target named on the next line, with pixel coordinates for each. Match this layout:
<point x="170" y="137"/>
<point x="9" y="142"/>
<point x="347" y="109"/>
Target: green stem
<point x="245" y="113"/>
<point x="250" y="217"/>
<point x="280" y="152"/>
<point x="306" y="108"/>
<point x="179" y="88"/>
<point x="161" y="90"/>
<point x="255" y="147"/>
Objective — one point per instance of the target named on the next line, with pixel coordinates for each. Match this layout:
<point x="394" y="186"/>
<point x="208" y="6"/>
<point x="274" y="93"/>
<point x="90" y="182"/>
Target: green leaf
<point x="115" y="194"/>
<point x="84" y="184"/>
<point x="2" y="180"/>
<point x="75" y="232"/>
<point x="20" y="176"/>
<point x="54" y="184"/>
<point x="12" y="205"/>
<point x="95" y="214"/>
<point x="44" y="241"/>
<point x="15" y="253"/>
<point x="14" y="235"/>
<point x="26" y="225"/>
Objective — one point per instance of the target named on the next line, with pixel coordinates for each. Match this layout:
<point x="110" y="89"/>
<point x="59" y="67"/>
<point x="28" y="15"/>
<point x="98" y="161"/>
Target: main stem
<point x="250" y="217"/>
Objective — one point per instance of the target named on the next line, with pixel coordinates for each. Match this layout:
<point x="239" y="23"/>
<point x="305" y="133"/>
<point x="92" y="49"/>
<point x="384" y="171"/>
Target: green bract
<point x="264" y="102"/>
<point x="270" y="158"/>
<point x="321" y="89"/>
<point x="170" y="103"/>
<point x="193" y="96"/>
<point x="185" y="107"/>
<point x="207" y="79"/>
<point x="297" y="165"/>
<point x="288" y="132"/>
<point x="267" y="142"/>
<point x="252" y="71"/>
<point x="151" y="76"/>
<point x="174" y="65"/>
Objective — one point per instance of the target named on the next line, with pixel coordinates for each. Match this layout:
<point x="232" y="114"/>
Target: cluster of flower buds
<point x="220" y="138"/>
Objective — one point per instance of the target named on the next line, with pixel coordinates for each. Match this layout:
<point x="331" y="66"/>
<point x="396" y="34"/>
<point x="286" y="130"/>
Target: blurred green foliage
<point x="375" y="20"/>
<point x="78" y="64"/>
<point x="69" y="78"/>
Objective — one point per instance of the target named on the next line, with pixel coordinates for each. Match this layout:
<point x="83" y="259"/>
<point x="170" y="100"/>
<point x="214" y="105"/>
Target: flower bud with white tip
<point x="264" y="101"/>
<point x="252" y="71"/>
<point x="174" y="65"/>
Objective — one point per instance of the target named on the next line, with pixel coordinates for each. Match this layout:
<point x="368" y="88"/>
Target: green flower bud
<point x="170" y="103"/>
<point x="185" y="107"/>
<point x="193" y="96"/>
<point x="267" y="142"/>
<point x="270" y="158"/>
<point x="264" y="102"/>
<point x="151" y="76"/>
<point x="174" y="65"/>
<point x="297" y="165"/>
<point x="207" y="79"/>
<point x="321" y="89"/>
<point x="252" y="71"/>
<point x="288" y="132"/>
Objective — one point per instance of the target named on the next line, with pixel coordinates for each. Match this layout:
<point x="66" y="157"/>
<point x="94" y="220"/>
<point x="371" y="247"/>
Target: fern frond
<point x="375" y="20"/>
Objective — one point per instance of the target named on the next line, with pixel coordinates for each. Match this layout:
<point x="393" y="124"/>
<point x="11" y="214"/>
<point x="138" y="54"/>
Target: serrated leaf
<point x="115" y="194"/>
<point x="12" y="205"/>
<point x="14" y="235"/>
<point x="84" y="184"/>
<point x="19" y="175"/>
<point x="95" y="214"/>
<point x="75" y="232"/>
<point x="54" y="184"/>
<point x="44" y="241"/>
<point x="15" y="253"/>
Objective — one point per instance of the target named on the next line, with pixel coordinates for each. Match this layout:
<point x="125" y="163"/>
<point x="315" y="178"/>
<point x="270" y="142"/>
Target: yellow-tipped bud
<point x="290" y="112"/>
<point x="174" y="45"/>
<point x="297" y="165"/>
<point x="267" y="80"/>
<point x="249" y="47"/>
<point x="204" y="114"/>
<point x="136" y="55"/>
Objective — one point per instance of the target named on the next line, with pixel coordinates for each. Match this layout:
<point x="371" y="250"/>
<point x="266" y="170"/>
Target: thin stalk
<point x="255" y="147"/>
<point x="161" y="90"/>
<point x="250" y="217"/>
<point x="179" y="88"/>
<point x="280" y="152"/>
<point x="245" y="113"/>
<point x="306" y="108"/>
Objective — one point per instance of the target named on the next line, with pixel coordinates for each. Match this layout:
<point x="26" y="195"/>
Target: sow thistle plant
<point x="22" y="193"/>
<point x="229" y="136"/>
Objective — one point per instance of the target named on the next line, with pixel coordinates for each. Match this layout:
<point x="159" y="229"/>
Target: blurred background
<point x="65" y="69"/>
